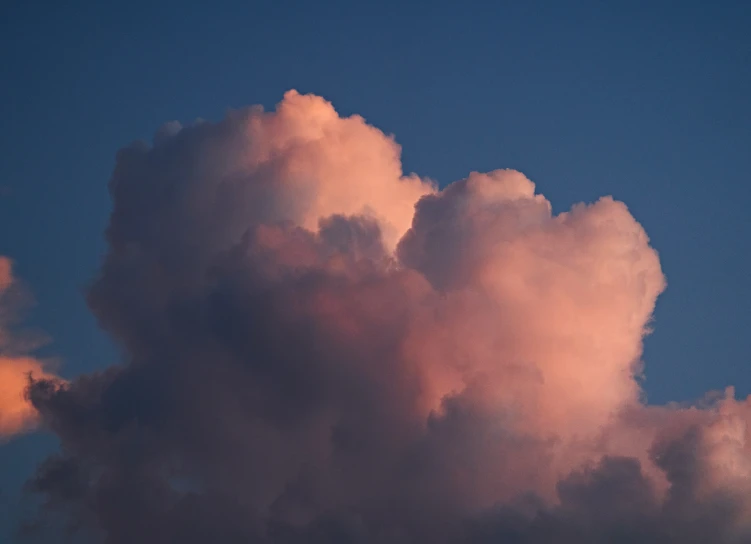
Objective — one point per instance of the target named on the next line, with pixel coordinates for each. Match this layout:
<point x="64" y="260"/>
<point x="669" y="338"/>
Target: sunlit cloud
<point x="327" y="349"/>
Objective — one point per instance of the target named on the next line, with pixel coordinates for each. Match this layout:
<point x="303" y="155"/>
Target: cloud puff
<point x="318" y="348"/>
<point x="16" y="412"/>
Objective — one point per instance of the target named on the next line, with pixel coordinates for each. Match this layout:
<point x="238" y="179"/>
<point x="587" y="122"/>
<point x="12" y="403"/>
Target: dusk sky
<point x="276" y="294"/>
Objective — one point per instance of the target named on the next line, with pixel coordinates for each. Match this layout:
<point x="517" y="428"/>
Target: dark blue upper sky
<point x="647" y="101"/>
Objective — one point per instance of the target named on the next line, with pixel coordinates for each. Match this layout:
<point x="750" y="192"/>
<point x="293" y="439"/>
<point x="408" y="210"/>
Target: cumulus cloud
<point x="16" y="412"/>
<point x="319" y="348"/>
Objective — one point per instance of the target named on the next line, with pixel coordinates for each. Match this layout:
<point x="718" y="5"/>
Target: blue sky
<point x="648" y="102"/>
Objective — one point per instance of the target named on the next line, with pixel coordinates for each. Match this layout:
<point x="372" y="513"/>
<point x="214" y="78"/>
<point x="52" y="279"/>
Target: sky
<point x="647" y="102"/>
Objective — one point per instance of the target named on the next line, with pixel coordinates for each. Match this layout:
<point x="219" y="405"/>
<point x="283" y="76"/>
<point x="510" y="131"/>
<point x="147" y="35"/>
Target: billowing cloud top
<point x="318" y="348"/>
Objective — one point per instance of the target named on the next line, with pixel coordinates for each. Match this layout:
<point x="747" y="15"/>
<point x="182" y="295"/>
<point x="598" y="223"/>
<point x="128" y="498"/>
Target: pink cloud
<point x="325" y="346"/>
<point x="17" y="414"/>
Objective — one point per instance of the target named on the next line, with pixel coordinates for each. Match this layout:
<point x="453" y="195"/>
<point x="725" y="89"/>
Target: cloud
<point x="17" y="414"/>
<point x="318" y="348"/>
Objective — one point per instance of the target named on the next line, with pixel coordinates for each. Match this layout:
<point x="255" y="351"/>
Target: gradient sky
<point x="648" y="102"/>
